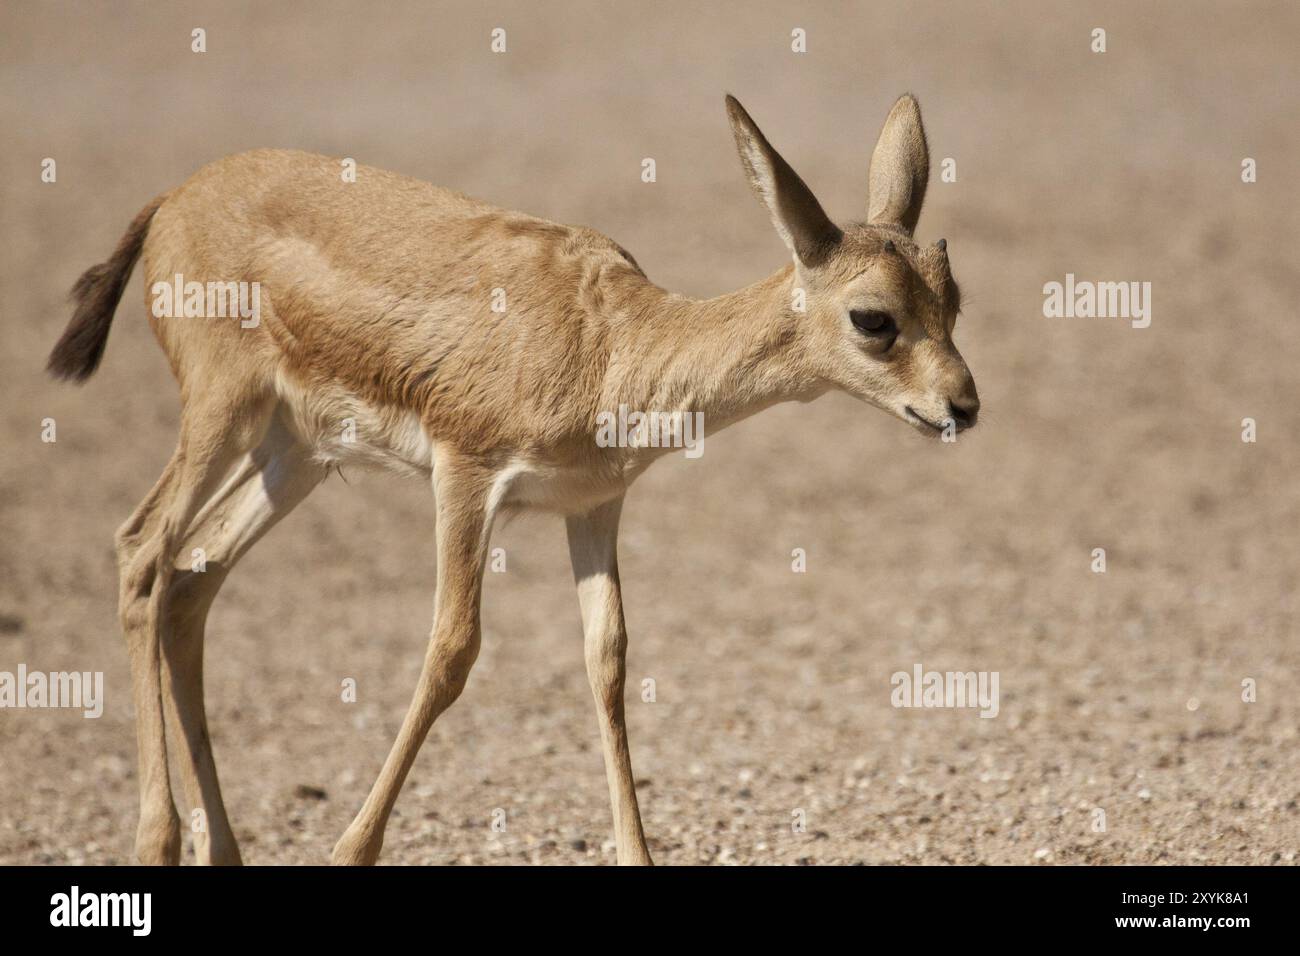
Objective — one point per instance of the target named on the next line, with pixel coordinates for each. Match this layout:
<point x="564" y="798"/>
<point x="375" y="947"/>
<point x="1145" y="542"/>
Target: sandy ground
<point x="1120" y="691"/>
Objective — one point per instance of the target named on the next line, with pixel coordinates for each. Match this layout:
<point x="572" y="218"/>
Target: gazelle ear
<point x="795" y="211"/>
<point x="900" y="167"/>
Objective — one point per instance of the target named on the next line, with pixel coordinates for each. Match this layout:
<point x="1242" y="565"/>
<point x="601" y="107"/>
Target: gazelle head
<point x="879" y="309"/>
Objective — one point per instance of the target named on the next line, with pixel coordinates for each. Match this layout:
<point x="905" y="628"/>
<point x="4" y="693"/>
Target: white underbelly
<point x="531" y="484"/>
<point x="343" y="429"/>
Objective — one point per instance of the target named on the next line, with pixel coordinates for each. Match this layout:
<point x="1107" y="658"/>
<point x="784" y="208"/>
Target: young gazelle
<point x="378" y="342"/>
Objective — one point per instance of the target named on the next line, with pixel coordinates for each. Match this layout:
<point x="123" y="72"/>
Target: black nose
<point x="964" y="415"/>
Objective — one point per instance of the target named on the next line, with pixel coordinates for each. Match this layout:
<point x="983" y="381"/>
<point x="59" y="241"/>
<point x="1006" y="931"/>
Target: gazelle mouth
<point x="913" y="418"/>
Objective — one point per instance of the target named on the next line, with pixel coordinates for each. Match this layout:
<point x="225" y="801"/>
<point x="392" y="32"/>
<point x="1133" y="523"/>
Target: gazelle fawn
<point x="377" y="343"/>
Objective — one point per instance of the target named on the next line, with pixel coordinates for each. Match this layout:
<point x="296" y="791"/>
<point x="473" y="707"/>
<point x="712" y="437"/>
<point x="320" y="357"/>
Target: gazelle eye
<point x="873" y="322"/>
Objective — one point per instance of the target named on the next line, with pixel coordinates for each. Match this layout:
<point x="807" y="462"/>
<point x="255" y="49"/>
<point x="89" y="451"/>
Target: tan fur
<point x="376" y="310"/>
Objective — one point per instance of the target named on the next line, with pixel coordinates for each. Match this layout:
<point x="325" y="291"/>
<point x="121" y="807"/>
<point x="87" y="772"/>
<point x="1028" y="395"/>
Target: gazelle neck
<point x="728" y="357"/>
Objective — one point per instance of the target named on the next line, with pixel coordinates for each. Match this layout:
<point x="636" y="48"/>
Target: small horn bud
<point x="889" y="246"/>
<point x="942" y="245"/>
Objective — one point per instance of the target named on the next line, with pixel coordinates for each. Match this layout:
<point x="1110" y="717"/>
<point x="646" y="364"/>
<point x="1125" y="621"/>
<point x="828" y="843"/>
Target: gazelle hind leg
<point x="465" y="510"/>
<point x="213" y="435"/>
<point x="266" y="485"/>
<point x="158" y="838"/>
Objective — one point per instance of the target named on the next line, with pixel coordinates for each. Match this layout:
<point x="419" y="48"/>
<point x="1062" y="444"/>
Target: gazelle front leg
<point x="593" y="549"/>
<point x="464" y="491"/>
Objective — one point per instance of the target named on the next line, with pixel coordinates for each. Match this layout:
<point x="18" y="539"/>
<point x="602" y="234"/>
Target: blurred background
<point x="1120" y="691"/>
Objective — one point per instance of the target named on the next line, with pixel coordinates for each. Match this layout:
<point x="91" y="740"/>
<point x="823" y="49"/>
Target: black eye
<point x="873" y="322"/>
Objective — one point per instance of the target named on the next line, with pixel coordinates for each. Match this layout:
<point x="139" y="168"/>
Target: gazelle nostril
<point x="964" y="417"/>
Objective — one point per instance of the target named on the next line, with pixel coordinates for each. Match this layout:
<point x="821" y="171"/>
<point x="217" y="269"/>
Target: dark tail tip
<point x="81" y="347"/>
